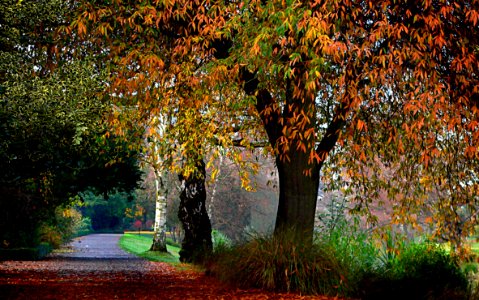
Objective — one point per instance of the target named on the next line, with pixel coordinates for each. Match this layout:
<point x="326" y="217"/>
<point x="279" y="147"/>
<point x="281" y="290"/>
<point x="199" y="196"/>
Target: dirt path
<point x="93" y="267"/>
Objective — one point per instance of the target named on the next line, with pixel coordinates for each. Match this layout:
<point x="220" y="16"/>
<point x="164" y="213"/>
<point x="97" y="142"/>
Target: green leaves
<point x="51" y="116"/>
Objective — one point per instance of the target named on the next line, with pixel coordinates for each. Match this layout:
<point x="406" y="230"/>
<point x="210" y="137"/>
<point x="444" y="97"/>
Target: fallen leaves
<point x="117" y="279"/>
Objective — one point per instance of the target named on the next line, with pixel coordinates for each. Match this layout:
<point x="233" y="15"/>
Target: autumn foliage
<point x="349" y="88"/>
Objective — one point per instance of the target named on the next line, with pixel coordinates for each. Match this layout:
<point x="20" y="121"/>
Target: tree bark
<point x="159" y="237"/>
<point x="298" y="194"/>
<point x="197" y="243"/>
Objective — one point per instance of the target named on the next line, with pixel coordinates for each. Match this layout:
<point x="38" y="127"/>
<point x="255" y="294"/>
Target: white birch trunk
<point x="159" y="237"/>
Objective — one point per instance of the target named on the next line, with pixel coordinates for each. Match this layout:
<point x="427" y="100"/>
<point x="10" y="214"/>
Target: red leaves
<point x="122" y="279"/>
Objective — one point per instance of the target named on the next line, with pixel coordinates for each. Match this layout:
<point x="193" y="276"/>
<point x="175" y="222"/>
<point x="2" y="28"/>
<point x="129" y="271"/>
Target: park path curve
<point x="94" y="267"/>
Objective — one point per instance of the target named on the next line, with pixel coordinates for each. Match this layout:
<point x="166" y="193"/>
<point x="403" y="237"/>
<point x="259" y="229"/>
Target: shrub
<point x="342" y="261"/>
<point x="83" y="227"/>
<point x="50" y="234"/>
<point x="279" y="263"/>
<point x="354" y="249"/>
<point x="419" y="271"/>
<point x="137" y="225"/>
<point x="66" y="224"/>
<point x="352" y="245"/>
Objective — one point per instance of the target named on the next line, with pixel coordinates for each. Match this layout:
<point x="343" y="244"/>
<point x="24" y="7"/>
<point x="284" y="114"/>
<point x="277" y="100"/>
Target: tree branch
<point x="331" y="136"/>
<point x="255" y="144"/>
<point x="264" y="100"/>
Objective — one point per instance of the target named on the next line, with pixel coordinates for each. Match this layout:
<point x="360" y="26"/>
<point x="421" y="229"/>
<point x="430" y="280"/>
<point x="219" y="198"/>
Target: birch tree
<point x="159" y="237"/>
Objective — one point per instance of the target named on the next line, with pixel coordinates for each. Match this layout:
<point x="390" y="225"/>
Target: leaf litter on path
<point x="117" y="279"/>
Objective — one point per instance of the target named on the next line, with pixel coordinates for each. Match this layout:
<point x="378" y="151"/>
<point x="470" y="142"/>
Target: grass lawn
<point x="139" y="244"/>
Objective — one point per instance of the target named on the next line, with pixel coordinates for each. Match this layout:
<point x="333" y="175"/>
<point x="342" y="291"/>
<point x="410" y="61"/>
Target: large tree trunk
<point x="159" y="238"/>
<point x="298" y="174"/>
<point x="194" y="217"/>
<point x="298" y="195"/>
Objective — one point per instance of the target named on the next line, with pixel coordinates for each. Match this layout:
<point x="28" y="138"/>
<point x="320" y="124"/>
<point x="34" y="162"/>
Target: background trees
<point x="239" y="213"/>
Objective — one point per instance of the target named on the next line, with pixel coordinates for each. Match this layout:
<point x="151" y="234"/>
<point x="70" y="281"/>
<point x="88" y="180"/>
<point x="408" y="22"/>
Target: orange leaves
<point x="153" y="62"/>
<point x="472" y="16"/>
<point x="403" y="72"/>
<point x="471" y="152"/>
<point x="360" y="125"/>
<point x="81" y="28"/>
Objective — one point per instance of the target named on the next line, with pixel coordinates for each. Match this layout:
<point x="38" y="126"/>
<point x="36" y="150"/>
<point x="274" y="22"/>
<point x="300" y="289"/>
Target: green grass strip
<point x="140" y="246"/>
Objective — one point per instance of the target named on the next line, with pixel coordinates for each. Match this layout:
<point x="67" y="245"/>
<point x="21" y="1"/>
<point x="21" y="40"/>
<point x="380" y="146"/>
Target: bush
<point x="278" y="263"/>
<point x="354" y="249"/>
<point x="51" y="235"/>
<point x="344" y="260"/>
<point x="66" y="224"/>
<point x="419" y="271"/>
<point x="352" y="245"/>
<point x="83" y="227"/>
<point x="220" y="241"/>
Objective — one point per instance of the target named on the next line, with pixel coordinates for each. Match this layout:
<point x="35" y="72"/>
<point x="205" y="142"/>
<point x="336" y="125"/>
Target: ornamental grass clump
<point x="279" y="263"/>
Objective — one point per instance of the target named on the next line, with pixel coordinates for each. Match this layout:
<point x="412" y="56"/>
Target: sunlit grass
<point x="142" y="232"/>
<point x="139" y="244"/>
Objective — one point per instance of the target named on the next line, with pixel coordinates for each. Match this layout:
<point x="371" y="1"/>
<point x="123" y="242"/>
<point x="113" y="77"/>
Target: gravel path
<point x="102" y="246"/>
<point x="93" y="267"/>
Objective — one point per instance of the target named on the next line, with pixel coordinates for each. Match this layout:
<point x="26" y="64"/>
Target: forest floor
<point x="93" y="267"/>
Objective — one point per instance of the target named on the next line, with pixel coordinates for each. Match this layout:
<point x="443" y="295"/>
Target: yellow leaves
<point x="425" y="159"/>
<point x="362" y="156"/>
<point x="425" y="180"/>
<point x="152" y="62"/>
<point x="214" y="174"/>
<point x="401" y="28"/>
<point x="400" y="147"/>
<point x="301" y="146"/>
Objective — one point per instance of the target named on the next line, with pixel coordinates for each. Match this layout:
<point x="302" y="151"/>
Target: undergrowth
<point x="344" y="261"/>
<point x="279" y="263"/>
<point x="418" y="271"/>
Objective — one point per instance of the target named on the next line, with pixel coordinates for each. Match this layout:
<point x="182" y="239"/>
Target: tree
<point x="342" y="83"/>
<point x="325" y="72"/>
<point x="192" y="213"/>
<point x="112" y="214"/>
<point x="141" y="98"/>
<point x="51" y="123"/>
